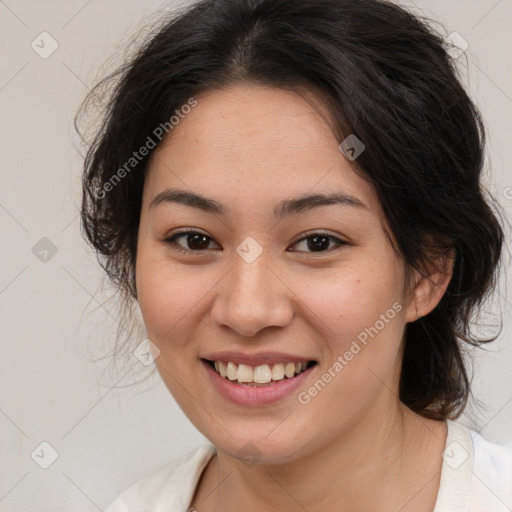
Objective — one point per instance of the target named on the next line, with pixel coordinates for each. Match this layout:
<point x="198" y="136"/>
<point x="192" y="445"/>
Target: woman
<point x="285" y="190"/>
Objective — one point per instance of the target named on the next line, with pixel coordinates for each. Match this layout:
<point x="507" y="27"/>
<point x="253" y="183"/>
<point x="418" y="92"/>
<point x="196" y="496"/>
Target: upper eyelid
<point x="312" y="232"/>
<point x="188" y="232"/>
<point x="301" y="238"/>
<point x="304" y="236"/>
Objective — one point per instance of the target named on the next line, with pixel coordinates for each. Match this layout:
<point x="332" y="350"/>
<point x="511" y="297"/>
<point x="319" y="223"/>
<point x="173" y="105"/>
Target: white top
<point x="476" y="476"/>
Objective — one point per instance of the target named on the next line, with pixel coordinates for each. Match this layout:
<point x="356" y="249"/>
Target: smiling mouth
<point x="261" y="375"/>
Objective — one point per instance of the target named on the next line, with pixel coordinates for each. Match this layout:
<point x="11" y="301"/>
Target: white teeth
<point x="289" y="370"/>
<point x="278" y="371"/>
<point x="231" y="371"/>
<point x="262" y="374"/>
<point x="244" y="373"/>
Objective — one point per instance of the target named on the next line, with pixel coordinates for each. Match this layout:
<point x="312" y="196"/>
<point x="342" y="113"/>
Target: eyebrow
<point x="283" y="209"/>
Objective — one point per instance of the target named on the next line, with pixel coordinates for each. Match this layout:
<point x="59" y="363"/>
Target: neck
<point x="379" y="463"/>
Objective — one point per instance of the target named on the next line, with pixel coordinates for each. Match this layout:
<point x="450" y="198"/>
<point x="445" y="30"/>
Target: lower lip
<point x="248" y="395"/>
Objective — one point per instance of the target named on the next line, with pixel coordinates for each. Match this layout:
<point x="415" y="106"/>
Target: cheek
<point x="170" y="301"/>
<point x="360" y="319"/>
<point x="359" y="313"/>
<point x="351" y="300"/>
<point x="168" y="297"/>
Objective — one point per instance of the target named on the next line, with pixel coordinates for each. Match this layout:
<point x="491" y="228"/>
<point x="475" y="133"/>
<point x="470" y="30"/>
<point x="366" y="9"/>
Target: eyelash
<point x="171" y="242"/>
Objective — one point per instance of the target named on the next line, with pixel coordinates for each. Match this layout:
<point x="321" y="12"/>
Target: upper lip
<point x="257" y="359"/>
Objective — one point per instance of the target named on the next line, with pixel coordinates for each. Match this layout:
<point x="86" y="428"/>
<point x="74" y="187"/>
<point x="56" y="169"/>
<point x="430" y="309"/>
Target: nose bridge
<point x="251" y="296"/>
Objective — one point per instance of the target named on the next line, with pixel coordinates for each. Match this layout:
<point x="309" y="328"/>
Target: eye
<point x="194" y="241"/>
<point x="319" y="242"/>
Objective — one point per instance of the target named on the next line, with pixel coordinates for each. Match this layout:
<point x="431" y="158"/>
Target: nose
<point x="252" y="297"/>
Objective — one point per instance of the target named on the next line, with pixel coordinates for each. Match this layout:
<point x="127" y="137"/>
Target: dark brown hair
<point x="387" y="78"/>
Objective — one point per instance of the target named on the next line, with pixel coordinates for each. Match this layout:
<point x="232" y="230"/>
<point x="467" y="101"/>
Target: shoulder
<point x="168" y="488"/>
<point x="491" y="481"/>
<point x="476" y="475"/>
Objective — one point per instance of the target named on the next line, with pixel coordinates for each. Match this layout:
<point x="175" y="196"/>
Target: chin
<point x="252" y="449"/>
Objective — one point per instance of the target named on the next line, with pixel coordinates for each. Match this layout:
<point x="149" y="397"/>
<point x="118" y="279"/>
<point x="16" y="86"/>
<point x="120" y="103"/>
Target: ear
<point x="429" y="290"/>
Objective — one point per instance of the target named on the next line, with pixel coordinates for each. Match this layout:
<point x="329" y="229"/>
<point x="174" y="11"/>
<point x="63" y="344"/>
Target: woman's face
<point x="269" y="278"/>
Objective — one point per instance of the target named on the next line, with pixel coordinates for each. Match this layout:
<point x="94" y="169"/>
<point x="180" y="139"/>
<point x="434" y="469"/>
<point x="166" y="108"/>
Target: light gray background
<point x="53" y="315"/>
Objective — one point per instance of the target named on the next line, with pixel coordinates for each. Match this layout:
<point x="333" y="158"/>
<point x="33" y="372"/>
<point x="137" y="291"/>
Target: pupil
<point x="318" y="243"/>
<point x="197" y="241"/>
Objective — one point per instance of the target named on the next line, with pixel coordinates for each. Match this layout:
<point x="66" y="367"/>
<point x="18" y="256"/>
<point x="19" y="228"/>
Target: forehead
<point x="253" y="141"/>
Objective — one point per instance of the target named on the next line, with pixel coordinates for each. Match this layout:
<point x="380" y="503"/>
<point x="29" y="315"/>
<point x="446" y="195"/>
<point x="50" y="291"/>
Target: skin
<point x="354" y="446"/>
